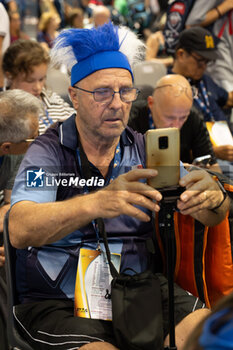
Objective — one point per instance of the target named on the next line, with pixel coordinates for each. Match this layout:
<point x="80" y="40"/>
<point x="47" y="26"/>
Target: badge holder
<point x="168" y="203"/>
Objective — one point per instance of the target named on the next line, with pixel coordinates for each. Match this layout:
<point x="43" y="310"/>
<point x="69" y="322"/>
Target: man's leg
<point x="188" y="312"/>
<point x="51" y="324"/>
<point x="186" y="326"/>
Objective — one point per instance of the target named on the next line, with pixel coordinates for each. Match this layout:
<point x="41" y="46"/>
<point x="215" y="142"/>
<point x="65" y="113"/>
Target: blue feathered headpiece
<point x="85" y="51"/>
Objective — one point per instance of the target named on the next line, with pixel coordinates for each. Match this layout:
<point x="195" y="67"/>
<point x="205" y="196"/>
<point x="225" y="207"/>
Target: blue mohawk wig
<point x="85" y="51"/>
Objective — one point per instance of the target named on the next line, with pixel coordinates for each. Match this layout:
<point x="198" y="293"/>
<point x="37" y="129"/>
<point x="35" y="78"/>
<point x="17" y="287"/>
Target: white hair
<point x="130" y="45"/>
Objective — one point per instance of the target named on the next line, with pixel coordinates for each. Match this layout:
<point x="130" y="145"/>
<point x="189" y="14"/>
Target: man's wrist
<point x="224" y="192"/>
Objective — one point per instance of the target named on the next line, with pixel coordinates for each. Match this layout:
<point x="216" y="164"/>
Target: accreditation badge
<point x="93" y="284"/>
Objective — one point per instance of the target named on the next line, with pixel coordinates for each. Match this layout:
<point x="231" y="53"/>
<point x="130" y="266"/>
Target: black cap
<point x="199" y="40"/>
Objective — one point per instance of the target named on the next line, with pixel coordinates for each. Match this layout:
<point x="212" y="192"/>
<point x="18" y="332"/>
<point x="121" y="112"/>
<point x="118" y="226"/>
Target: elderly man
<point x="19" y="113"/>
<point x="171" y="106"/>
<point x="18" y="126"/>
<point x="53" y="216"/>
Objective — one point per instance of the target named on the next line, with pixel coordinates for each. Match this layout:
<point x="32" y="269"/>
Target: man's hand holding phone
<point x="202" y="192"/>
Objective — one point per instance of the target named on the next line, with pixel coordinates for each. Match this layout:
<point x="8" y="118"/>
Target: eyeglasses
<point x="106" y="95"/>
<point x="180" y="89"/>
<point x="200" y="60"/>
<point x="28" y="140"/>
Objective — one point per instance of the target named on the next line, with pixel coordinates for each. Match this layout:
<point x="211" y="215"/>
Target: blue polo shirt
<point x="49" y="272"/>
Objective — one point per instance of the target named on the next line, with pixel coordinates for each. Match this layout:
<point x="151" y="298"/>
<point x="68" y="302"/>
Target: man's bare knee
<point x="186" y="326"/>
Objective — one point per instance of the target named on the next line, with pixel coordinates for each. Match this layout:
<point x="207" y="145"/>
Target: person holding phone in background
<point x="169" y="106"/>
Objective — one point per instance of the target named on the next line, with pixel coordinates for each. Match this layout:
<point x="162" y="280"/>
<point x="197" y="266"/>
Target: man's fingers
<point x="141" y="188"/>
<point x="136" y="213"/>
<point x="137" y="174"/>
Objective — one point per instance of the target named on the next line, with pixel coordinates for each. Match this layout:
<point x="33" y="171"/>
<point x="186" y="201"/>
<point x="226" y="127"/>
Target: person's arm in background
<point x="152" y="48"/>
<point x="205" y="13"/>
<point x="224" y="152"/>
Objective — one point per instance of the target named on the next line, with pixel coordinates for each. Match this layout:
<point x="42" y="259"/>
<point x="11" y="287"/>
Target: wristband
<point x="218" y="11"/>
<point x="224" y="195"/>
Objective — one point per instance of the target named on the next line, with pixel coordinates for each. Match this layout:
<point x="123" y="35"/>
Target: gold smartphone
<point x="163" y="154"/>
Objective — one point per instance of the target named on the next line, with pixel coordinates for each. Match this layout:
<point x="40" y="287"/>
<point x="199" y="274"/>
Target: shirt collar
<point x="68" y="134"/>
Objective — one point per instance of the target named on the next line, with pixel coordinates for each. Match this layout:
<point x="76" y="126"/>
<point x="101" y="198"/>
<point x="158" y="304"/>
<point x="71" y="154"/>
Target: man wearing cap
<point x="218" y="15"/>
<point x="89" y="167"/>
<point x="195" y="49"/>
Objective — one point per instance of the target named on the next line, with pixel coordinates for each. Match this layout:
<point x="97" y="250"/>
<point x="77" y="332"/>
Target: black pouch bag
<point x="136" y="307"/>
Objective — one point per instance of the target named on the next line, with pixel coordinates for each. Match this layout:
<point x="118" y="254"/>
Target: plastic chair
<point x="145" y="91"/>
<point x="14" y="338"/>
<point x="148" y="73"/>
<point x="58" y="82"/>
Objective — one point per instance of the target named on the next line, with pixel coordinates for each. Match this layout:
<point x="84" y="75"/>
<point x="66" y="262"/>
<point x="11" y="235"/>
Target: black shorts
<point x="51" y="324"/>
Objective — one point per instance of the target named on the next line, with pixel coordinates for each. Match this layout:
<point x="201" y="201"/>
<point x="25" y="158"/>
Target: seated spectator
<point x="15" y="27"/>
<point x="58" y="222"/>
<point x="171" y="106"/>
<point x="19" y="113"/>
<point x="18" y="127"/>
<point x="25" y="66"/>
<point x="48" y="25"/>
<point x="218" y="15"/>
<point x="195" y="49"/>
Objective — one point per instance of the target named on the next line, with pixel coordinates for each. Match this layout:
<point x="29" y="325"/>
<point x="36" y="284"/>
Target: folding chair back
<point x="148" y="73"/>
<point x="14" y="338"/>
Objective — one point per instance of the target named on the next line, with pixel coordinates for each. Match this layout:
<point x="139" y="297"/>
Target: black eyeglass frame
<point x="201" y="60"/>
<point x="137" y="91"/>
